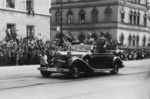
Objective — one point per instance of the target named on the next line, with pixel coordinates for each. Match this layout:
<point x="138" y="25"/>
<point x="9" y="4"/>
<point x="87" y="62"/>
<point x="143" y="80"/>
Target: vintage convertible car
<point x="79" y="59"/>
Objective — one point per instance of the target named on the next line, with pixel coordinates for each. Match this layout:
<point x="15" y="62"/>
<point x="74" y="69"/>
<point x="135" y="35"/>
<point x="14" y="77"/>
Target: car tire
<point x="75" y="72"/>
<point x="115" y="70"/>
<point x="46" y="74"/>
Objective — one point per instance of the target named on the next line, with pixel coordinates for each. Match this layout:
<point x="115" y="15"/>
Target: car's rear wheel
<point x="115" y="70"/>
<point x="75" y="72"/>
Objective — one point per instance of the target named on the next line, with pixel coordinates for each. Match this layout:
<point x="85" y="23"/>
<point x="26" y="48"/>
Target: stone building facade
<point x="25" y="17"/>
<point x="127" y="21"/>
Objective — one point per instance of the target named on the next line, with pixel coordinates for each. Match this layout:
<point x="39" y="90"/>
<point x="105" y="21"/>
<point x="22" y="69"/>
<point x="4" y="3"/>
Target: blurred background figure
<point x="75" y="40"/>
<point x="89" y="40"/>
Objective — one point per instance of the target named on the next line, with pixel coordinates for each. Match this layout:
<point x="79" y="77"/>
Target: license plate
<point x="48" y="69"/>
<point x="52" y="69"/>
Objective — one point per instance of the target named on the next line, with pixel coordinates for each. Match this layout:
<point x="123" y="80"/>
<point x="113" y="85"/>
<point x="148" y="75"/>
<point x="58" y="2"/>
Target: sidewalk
<point x="134" y="63"/>
<point x="11" y="71"/>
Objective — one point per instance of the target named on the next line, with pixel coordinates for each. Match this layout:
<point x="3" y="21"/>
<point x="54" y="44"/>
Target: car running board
<point x="102" y="70"/>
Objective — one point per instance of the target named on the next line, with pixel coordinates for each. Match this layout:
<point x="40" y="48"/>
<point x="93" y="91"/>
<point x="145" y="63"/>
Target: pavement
<point x="26" y="82"/>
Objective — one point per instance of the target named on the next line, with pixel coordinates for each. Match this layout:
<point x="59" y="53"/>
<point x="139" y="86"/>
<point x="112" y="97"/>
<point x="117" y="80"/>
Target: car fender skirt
<point x="75" y="61"/>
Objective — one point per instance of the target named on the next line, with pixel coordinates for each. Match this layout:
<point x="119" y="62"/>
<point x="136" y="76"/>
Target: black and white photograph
<point x="74" y="49"/>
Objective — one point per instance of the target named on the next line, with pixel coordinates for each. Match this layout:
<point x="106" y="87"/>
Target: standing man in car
<point x="101" y="44"/>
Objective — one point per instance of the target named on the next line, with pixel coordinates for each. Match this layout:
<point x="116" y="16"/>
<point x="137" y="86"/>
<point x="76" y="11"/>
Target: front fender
<point x="72" y="60"/>
<point x="76" y="61"/>
<point x="118" y="61"/>
<point x="86" y="56"/>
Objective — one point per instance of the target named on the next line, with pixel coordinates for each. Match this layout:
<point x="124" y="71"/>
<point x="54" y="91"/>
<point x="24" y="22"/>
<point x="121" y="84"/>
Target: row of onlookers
<point x="22" y="53"/>
<point x="133" y="54"/>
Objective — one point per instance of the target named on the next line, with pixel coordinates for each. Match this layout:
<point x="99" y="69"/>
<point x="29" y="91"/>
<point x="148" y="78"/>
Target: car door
<point x="101" y="61"/>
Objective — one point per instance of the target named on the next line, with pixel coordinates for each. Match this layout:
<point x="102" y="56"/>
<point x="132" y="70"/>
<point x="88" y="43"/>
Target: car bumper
<point x="59" y="70"/>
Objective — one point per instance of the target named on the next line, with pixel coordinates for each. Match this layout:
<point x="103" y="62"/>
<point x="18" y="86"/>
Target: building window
<point x="11" y="31"/>
<point x="145" y="19"/>
<point x="134" y="1"/>
<point x="29" y="5"/>
<point x="121" y="39"/>
<point x="11" y="27"/>
<point x="70" y="0"/>
<point x="138" y="18"/>
<point x="144" y="41"/>
<point x="133" y="40"/>
<point x="135" y="18"/>
<point x="69" y="17"/>
<point x="129" y="40"/>
<point x="58" y="1"/>
<point x="149" y="16"/>
<point x="122" y="14"/>
<point x="58" y="17"/>
<point x="131" y="17"/>
<point x="138" y="1"/>
<point x="30" y="31"/>
<point x="82" y="16"/>
<point x="137" y="40"/>
<point x="108" y="14"/>
<point x="10" y="3"/>
<point x="94" y="15"/>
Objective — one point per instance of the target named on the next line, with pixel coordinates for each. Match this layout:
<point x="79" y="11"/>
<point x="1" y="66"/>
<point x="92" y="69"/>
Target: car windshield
<point x="81" y="48"/>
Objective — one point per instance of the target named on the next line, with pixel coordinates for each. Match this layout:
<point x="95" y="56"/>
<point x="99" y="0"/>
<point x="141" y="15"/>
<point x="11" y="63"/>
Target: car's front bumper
<point x="53" y="69"/>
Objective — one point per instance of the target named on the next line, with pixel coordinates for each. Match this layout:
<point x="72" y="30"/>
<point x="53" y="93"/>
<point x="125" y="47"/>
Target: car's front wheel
<point x="115" y="69"/>
<point x="45" y="74"/>
<point x="75" y="72"/>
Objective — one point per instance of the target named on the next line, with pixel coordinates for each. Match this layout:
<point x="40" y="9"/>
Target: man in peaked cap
<point x="101" y="44"/>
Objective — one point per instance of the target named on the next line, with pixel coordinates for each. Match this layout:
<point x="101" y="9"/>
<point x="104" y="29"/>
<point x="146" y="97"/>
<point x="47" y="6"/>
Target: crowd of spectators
<point x="22" y="51"/>
<point x="27" y="51"/>
<point x="133" y="54"/>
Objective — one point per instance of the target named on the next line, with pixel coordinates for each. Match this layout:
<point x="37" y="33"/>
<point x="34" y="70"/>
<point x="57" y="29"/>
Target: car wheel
<point x="116" y="69"/>
<point x="75" y="72"/>
<point x="46" y="74"/>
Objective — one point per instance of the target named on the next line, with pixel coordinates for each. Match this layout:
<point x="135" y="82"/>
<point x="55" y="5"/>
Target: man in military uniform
<point x="89" y="40"/>
<point x="101" y="44"/>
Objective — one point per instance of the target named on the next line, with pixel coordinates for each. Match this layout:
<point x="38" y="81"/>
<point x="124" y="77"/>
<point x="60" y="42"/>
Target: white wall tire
<point x="46" y="74"/>
<point x="75" y="72"/>
<point x="115" y="70"/>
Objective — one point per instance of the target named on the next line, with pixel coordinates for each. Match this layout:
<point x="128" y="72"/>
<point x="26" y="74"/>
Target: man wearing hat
<point x="43" y="59"/>
<point x="101" y="44"/>
<point x="89" y="40"/>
